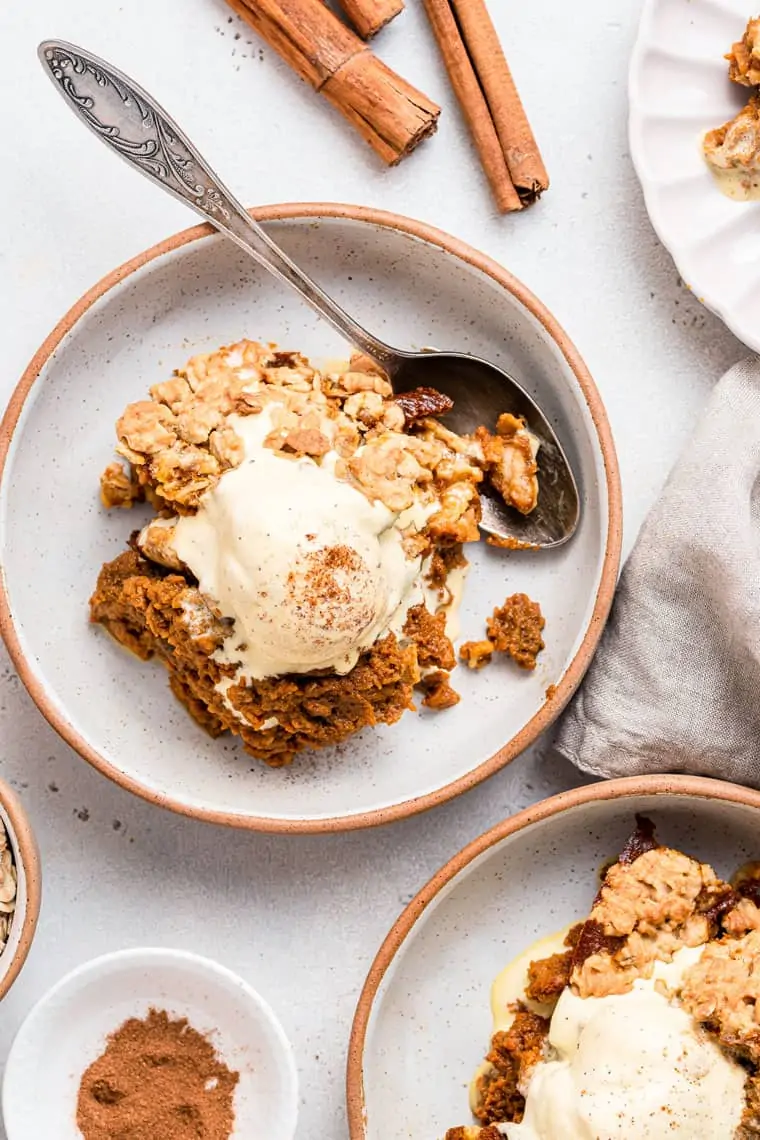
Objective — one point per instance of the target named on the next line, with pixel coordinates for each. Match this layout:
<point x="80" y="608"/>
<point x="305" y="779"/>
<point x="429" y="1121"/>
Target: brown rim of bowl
<point x="573" y="674"/>
<point x="25" y="852"/>
<point x="697" y="786"/>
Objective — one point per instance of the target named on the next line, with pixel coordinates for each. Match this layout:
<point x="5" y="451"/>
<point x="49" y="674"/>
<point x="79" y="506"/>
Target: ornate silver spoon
<point x="133" y="125"/>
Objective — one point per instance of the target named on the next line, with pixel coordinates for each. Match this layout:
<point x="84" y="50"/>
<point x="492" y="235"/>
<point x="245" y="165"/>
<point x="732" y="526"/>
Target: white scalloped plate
<point x="678" y="89"/>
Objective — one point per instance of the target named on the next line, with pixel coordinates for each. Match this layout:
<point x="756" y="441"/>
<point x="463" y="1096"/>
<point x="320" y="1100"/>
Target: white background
<point x="301" y="918"/>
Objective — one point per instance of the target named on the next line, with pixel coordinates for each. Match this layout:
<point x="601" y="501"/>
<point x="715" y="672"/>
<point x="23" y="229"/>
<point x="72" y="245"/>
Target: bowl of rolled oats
<point x="196" y="470"/>
<point x="20" y="887"/>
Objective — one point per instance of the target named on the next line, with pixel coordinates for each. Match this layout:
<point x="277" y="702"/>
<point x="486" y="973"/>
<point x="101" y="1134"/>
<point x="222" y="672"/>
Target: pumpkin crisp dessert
<point x="301" y="575"/>
<point x="732" y="151"/>
<point x="641" y="1022"/>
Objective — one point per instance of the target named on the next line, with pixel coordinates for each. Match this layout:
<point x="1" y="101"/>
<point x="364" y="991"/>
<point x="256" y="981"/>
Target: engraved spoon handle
<point x="136" y="127"/>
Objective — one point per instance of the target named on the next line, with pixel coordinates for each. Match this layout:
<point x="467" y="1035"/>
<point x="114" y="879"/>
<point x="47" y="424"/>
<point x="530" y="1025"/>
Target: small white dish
<point x="678" y="89"/>
<point x="423" y="1021"/>
<point x="67" y="1030"/>
<point x="194" y="292"/>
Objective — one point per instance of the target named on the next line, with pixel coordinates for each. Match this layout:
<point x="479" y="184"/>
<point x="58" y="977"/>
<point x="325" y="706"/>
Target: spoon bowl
<point x="481" y="392"/>
<point x="131" y="123"/>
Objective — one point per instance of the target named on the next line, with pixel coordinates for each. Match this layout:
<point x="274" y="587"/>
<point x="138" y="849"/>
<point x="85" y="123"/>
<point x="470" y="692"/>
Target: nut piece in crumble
<point x="302" y="572"/>
<point x="511" y="462"/>
<point x="744" y="57"/>
<point x="514" y="628"/>
<point x="438" y="691"/>
<point x="648" y="1013"/>
<point x="119" y="488"/>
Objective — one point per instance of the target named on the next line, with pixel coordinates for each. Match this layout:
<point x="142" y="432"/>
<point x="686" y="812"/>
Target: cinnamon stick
<point x="390" y="114"/>
<point x="369" y="16"/>
<point x="473" y="103"/>
<point x="518" y="143"/>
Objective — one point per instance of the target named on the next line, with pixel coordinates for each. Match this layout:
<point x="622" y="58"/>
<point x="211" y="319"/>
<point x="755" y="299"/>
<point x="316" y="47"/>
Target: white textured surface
<point x="302" y="918"/>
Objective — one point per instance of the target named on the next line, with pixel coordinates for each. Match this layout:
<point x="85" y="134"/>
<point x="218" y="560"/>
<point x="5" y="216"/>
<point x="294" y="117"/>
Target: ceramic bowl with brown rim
<point x="28" y="888"/>
<point x="415" y="286"/>
<point x="423" y="1021"/>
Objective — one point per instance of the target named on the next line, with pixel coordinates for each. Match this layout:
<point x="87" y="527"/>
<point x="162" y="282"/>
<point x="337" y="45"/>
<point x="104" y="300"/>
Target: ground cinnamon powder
<point x="158" y="1079"/>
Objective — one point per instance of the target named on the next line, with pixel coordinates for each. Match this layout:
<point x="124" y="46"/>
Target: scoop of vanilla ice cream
<point x="308" y="568"/>
<point x="631" y="1066"/>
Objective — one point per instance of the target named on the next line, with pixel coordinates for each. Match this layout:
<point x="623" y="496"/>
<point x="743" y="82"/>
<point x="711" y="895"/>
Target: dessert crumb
<point x="515" y="629"/>
<point x="438" y="691"/>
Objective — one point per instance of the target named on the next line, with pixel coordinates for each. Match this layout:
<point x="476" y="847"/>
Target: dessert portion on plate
<point x="639" y="1023"/>
<point x="302" y="573"/>
<point x="732" y="151"/>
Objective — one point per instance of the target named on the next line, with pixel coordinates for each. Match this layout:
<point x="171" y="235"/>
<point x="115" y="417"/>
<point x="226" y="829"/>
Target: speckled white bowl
<point x="423" y="1019"/>
<point x="68" y="1028"/>
<point x="416" y="287"/>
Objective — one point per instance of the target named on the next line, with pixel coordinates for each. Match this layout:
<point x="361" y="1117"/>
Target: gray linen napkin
<point x="675" y="684"/>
